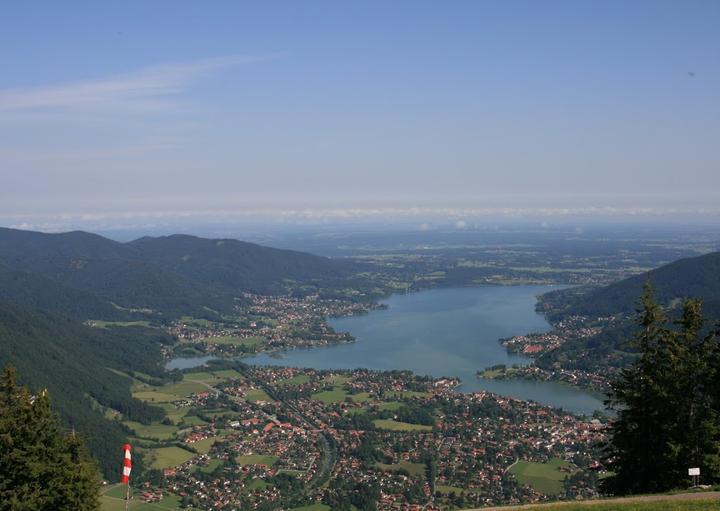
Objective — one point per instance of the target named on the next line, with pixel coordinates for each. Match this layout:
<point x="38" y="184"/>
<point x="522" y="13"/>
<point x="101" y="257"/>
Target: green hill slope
<point x="172" y="275"/>
<point x="697" y="277"/>
<point x="234" y="264"/>
<point x="36" y="292"/>
<point x="74" y="363"/>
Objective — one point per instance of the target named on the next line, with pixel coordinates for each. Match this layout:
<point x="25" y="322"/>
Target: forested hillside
<point x="37" y="292"/>
<point x="75" y="363"/>
<point x="232" y="264"/>
<point x="169" y="276"/>
<point x="697" y="277"/>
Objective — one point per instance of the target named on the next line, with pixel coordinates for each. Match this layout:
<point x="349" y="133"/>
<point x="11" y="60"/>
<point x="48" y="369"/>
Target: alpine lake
<point x="450" y="332"/>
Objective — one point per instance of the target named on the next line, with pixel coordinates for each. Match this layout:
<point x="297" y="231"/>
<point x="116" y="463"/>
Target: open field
<point x="153" y="396"/>
<point x="414" y="469"/>
<point x="167" y="457"/>
<point x="256" y="459"/>
<point x="98" y="323"/>
<point x="153" y="430"/>
<point x="227" y="373"/>
<point x="337" y="379"/>
<point x="337" y="395"/>
<point x="392" y="425"/>
<point x="256" y="395"/>
<point x="314" y="507"/>
<point x="546" y="477"/>
<point x="190" y="321"/>
<point x="183" y="388"/>
<point x="295" y="380"/>
<point x="174" y="413"/>
<point x="113" y="499"/>
<point x="202" y="377"/>
<point x="167" y="393"/>
<point x="210" y="468"/>
<point x="360" y="397"/>
<point x="192" y="420"/>
<point x="204" y="446"/>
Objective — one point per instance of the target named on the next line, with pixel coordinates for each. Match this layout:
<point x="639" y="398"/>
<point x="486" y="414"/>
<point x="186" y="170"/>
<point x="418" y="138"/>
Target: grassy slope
<point x="681" y="502"/>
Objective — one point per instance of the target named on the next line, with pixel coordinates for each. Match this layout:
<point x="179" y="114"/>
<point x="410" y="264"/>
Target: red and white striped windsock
<point x="127" y="465"/>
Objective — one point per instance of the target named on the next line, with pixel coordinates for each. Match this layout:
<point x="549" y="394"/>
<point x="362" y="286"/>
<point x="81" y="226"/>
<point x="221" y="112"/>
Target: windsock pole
<point x="125" y="478"/>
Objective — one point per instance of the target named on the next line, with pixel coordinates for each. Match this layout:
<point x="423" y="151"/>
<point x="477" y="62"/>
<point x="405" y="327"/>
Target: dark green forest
<point x="170" y="276"/>
<point x="75" y="363"/>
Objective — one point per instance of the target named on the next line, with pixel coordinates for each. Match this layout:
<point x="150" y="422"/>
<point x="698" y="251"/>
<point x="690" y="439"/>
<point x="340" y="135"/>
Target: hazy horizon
<point x="141" y="115"/>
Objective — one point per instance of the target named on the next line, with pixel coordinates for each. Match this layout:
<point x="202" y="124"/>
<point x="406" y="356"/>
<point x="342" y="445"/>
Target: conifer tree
<point x="41" y="467"/>
<point x="634" y="455"/>
<point x="667" y="404"/>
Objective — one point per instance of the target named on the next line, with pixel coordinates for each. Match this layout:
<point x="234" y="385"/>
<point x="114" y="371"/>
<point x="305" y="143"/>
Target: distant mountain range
<point x="86" y="275"/>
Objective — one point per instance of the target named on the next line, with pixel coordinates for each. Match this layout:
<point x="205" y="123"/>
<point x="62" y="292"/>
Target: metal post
<point x="127" y="497"/>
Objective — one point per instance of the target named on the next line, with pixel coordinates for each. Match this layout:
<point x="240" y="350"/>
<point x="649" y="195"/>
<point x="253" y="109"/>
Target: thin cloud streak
<point x="119" y="91"/>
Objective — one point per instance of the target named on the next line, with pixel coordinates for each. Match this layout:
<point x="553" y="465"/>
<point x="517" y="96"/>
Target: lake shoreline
<point x="421" y="341"/>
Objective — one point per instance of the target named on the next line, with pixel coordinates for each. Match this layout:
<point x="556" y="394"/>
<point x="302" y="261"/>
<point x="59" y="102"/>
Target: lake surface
<point x="443" y="332"/>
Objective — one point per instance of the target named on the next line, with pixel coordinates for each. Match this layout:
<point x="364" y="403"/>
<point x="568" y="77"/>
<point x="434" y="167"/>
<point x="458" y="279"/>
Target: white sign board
<point x="693" y="471"/>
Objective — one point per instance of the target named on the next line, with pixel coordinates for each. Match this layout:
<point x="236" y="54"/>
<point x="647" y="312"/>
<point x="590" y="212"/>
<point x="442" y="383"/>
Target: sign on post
<point x="695" y="473"/>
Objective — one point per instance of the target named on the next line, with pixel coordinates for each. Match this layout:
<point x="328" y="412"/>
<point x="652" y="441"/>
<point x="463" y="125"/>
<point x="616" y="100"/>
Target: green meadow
<point x="547" y="478"/>
<point x="168" y="457"/>
<point x="336" y="395"/>
<point x="298" y="379"/>
<point x="256" y="395"/>
<point x="114" y="500"/>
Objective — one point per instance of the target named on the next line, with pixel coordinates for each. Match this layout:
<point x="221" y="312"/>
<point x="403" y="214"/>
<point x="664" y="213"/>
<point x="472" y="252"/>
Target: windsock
<point x="127" y="465"/>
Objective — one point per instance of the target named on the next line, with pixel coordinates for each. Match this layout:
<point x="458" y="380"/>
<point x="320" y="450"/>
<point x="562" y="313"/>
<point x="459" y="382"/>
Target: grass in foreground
<point x="657" y="505"/>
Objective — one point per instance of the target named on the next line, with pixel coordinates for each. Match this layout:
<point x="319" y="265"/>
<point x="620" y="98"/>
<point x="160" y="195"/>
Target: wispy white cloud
<point x="140" y="89"/>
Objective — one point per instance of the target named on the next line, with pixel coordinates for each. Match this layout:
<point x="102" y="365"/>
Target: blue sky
<point x="138" y="109"/>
